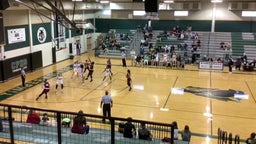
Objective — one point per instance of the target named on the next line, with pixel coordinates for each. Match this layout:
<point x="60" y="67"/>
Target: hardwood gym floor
<point x="200" y="98"/>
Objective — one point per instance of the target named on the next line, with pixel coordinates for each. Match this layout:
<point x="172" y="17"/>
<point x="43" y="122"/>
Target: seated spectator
<point x="176" y="130"/>
<point x="105" y="51"/>
<point x="228" y="46"/>
<point x="186" y="134"/>
<point x="138" y="60"/>
<point x="158" y="38"/>
<point x="144" y="133"/>
<point x="33" y="117"/>
<point x="222" y="45"/>
<point x="79" y="124"/>
<point x="45" y="120"/>
<point x="146" y="59"/>
<point x="252" y="137"/>
<point x="179" y="46"/>
<point x="198" y="44"/>
<point x="181" y="36"/>
<point x="196" y="36"/>
<point x="238" y="64"/>
<point x="219" y="60"/>
<point x="129" y="129"/>
<point x="65" y="122"/>
<point x="205" y="58"/>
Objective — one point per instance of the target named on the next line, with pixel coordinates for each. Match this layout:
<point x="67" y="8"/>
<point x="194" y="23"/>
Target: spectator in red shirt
<point x="33" y="117"/>
<point x="79" y="124"/>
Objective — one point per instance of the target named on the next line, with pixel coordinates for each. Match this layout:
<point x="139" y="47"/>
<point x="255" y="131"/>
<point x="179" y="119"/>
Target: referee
<point x="107" y="103"/>
<point x="23" y="77"/>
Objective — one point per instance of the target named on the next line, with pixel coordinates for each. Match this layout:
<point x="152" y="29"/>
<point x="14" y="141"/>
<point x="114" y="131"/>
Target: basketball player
<point x="129" y="80"/>
<point x="59" y="81"/>
<point x="107" y="73"/>
<point x="45" y="90"/>
<point x="86" y="67"/>
<point x="75" y="69"/>
<point x="90" y="71"/>
<point x="109" y="65"/>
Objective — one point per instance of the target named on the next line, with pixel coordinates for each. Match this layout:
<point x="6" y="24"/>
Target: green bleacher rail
<point x="16" y="128"/>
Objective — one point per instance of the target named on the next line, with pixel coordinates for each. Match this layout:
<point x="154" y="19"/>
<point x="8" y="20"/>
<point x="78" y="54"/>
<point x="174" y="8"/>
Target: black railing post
<point x="59" y="127"/>
<point x="10" y="124"/>
<point x="172" y="134"/>
<point x="112" y="122"/>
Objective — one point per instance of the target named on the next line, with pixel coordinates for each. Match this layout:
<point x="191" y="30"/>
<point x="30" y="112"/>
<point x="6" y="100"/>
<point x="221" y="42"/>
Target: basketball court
<point x="204" y="100"/>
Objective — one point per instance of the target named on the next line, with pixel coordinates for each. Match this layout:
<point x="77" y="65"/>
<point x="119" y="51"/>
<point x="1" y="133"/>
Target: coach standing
<point x="23" y="77"/>
<point x="107" y="103"/>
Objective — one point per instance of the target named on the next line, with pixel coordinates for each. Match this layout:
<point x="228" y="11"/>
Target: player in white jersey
<point x="107" y="73"/>
<point x="75" y="69"/>
<point x="79" y="68"/>
<point x="59" y="81"/>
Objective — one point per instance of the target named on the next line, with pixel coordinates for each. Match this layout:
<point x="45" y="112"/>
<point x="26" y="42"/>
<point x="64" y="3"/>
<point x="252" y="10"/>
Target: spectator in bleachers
<point x="156" y="60"/>
<point x="181" y="36"/>
<point x="194" y="47"/>
<point x="45" y="120"/>
<point x="228" y="46"/>
<point x="138" y="28"/>
<point x="172" y="49"/>
<point x="33" y="117"/>
<point x="174" y="31"/>
<point x="251" y="138"/>
<point x="66" y="122"/>
<point x="186" y="134"/>
<point x="189" y="28"/>
<point x="244" y="58"/>
<point x="198" y="44"/>
<point x="222" y="45"/>
<point x="138" y="60"/>
<point x="144" y="133"/>
<point x="196" y="36"/>
<point x="121" y="36"/>
<point x="158" y="38"/>
<point x="174" y="60"/>
<point x="179" y="47"/>
<point x="129" y="129"/>
<point x="176" y="130"/>
<point x="79" y="124"/>
<point x="146" y="59"/>
<point x="205" y="58"/>
<point x="230" y="65"/>
<point x="185" y="47"/>
<point x="105" y="51"/>
<point x="238" y="64"/>
<point x="219" y="60"/>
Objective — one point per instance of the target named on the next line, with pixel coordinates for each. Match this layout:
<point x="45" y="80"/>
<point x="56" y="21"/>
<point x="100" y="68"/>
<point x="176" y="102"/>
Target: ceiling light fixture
<point x="168" y="1"/>
<point x="216" y="1"/>
<point x="104" y="1"/>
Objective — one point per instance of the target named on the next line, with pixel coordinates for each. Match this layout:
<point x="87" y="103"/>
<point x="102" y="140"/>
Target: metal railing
<point x="15" y="128"/>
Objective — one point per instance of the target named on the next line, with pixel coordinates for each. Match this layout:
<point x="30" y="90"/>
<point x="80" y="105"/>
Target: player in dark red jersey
<point x="129" y="79"/>
<point x="45" y="90"/>
<point x="90" y="71"/>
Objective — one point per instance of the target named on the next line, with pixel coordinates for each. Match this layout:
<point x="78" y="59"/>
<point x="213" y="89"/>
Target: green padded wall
<point x="235" y="26"/>
<point x="103" y="25"/>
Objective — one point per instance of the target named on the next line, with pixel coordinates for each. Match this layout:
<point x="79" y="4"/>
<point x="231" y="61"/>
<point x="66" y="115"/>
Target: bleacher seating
<point x="18" y="129"/>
